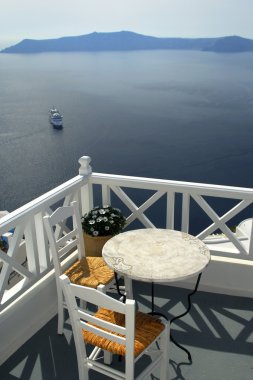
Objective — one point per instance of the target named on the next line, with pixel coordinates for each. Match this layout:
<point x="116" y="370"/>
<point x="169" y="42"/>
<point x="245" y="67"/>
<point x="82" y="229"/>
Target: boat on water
<point x="55" y="118"/>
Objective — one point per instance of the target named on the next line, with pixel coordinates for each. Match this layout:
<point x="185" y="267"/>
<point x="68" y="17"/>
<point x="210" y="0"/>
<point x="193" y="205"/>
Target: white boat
<point x="55" y="118"/>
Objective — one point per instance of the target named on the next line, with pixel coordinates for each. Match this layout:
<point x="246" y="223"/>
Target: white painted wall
<point x="29" y="313"/>
<point x="26" y="315"/>
<point x="225" y="276"/>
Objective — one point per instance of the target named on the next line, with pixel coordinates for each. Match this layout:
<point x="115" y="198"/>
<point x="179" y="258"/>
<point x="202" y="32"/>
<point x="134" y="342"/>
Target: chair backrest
<point x="63" y="237"/>
<point x="83" y="319"/>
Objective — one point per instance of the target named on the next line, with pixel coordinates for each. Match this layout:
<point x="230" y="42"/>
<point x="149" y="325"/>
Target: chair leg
<point x="107" y="354"/>
<point x="107" y="357"/>
<point x="128" y="287"/>
<point x="60" y="303"/>
<point x="60" y="319"/>
<point x="102" y="288"/>
<point x="164" y="342"/>
<point x="129" y="368"/>
<point x="82" y="369"/>
<point x="83" y="304"/>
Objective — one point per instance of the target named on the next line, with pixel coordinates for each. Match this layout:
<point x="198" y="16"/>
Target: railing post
<point x="251" y="241"/>
<point x="185" y="212"/>
<point x="106" y="195"/>
<point x="42" y="242"/>
<point x="86" y="195"/>
<point x="85" y="168"/>
<point x="31" y="248"/>
<point x="170" y="210"/>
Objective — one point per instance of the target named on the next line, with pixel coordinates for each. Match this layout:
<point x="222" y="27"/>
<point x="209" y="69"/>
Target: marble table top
<point x="156" y="255"/>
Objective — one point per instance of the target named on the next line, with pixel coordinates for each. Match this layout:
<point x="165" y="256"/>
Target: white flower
<point x="102" y="220"/>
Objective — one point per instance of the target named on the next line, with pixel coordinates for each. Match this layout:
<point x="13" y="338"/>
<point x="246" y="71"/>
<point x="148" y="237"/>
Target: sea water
<point x="175" y="115"/>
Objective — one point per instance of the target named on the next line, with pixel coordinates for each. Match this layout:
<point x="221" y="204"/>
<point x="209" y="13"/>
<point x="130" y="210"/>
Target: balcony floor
<point x="218" y="331"/>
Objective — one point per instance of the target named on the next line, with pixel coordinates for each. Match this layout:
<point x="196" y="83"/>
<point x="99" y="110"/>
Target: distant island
<point x="127" y="41"/>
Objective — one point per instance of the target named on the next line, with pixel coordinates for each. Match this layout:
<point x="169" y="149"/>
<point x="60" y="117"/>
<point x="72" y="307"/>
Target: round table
<point x="156" y="255"/>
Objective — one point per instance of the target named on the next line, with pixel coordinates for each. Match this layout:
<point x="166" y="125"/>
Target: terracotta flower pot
<point x="94" y="244"/>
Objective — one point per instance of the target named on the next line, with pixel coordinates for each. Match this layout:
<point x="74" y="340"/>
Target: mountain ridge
<point x="127" y="41"/>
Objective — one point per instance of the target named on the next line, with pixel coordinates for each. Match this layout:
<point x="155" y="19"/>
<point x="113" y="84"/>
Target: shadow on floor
<point x="218" y="331"/>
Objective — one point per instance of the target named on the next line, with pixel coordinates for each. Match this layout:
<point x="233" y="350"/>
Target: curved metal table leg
<point x="153" y="312"/>
<point x="183" y="314"/>
<point x="118" y="289"/>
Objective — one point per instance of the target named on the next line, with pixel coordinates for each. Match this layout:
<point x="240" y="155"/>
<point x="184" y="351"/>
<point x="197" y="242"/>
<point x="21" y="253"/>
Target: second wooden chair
<point x="86" y="271"/>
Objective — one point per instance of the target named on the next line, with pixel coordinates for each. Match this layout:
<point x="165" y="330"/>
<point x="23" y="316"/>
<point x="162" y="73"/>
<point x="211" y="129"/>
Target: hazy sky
<point x="166" y="18"/>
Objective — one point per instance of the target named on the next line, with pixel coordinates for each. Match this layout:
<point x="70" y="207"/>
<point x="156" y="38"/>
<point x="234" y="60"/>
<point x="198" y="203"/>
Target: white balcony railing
<point x="169" y="200"/>
<point x="227" y="243"/>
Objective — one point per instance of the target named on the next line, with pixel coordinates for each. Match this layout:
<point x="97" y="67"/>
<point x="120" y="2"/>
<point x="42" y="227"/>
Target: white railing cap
<point x="85" y="168"/>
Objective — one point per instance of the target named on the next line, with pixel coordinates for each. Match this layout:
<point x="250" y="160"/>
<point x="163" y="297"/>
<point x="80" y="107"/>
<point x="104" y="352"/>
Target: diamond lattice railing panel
<point x="222" y="219"/>
<point x="13" y="261"/>
<point x="24" y="261"/>
<point x="138" y="210"/>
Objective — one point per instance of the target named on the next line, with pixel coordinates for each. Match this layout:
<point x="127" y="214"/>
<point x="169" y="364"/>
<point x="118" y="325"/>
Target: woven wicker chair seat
<point x="91" y="272"/>
<point x="147" y="328"/>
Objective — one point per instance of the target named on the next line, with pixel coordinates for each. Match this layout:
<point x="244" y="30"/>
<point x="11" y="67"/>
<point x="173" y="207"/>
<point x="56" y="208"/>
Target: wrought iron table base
<point x="123" y="295"/>
<point x="153" y="312"/>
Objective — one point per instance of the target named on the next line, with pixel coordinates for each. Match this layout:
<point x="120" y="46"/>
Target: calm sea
<point x="163" y="114"/>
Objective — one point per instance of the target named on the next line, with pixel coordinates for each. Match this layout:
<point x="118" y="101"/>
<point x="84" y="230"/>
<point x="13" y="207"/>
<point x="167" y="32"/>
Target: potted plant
<point x="99" y="225"/>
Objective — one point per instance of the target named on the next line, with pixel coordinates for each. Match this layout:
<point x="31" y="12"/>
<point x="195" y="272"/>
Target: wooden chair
<point x="86" y="271"/>
<point x="115" y="328"/>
